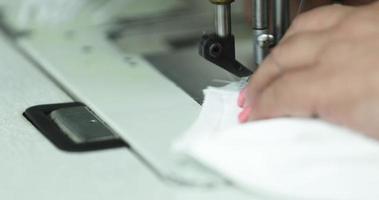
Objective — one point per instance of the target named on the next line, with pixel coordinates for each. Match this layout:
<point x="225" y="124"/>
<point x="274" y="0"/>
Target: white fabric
<point x="294" y="158"/>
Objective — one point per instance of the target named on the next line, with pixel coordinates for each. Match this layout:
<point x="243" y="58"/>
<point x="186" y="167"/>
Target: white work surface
<point x="32" y="168"/>
<point x="138" y="102"/>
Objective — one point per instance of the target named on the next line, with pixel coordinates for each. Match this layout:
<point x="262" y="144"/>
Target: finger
<point x="297" y="93"/>
<point x="242" y="98"/>
<point x="299" y="51"/>
<point x="319" y="19"/>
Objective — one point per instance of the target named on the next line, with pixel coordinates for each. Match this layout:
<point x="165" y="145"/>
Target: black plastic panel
<point x="39" y="116"/>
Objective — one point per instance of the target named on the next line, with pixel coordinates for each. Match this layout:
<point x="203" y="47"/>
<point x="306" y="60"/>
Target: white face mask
<point x="285" y="157"/>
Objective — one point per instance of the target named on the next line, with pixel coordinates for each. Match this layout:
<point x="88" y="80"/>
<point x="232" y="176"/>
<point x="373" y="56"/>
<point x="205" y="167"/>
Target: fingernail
<point x="242" y="98"/>
<point x="244" y="116"/>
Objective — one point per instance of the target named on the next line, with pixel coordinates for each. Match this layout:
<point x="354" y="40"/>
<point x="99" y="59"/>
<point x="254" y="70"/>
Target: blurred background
<point x="164" y="32"/>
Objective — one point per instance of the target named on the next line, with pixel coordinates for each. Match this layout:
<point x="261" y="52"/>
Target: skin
<point x="326" y="66"/>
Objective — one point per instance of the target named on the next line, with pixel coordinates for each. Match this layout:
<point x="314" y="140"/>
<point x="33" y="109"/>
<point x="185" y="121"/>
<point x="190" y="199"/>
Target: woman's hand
<point x="327" y="65"/>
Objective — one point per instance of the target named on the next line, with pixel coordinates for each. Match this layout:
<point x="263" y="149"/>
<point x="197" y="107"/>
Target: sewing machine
<point x="141" y="89"/>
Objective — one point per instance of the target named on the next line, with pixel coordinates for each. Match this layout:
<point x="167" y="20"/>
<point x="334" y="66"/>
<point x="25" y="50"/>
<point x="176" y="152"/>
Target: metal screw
<point x="215" y="50"/>
<point x="265" y="40"/>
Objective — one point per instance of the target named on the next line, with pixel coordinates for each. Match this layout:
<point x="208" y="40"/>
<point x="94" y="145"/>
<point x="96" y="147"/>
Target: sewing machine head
<point x="270" y="20"/>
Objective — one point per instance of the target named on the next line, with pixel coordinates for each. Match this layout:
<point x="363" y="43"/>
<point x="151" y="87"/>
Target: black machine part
<point x="221" y="51"/>
<point x="219" y="47"/>
<point x="73" y="127"/>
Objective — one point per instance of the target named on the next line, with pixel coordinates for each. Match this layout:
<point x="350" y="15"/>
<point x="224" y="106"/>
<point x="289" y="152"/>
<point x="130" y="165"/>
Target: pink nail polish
<point x="244" y="116"/>
<point x="242" y="98"/>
